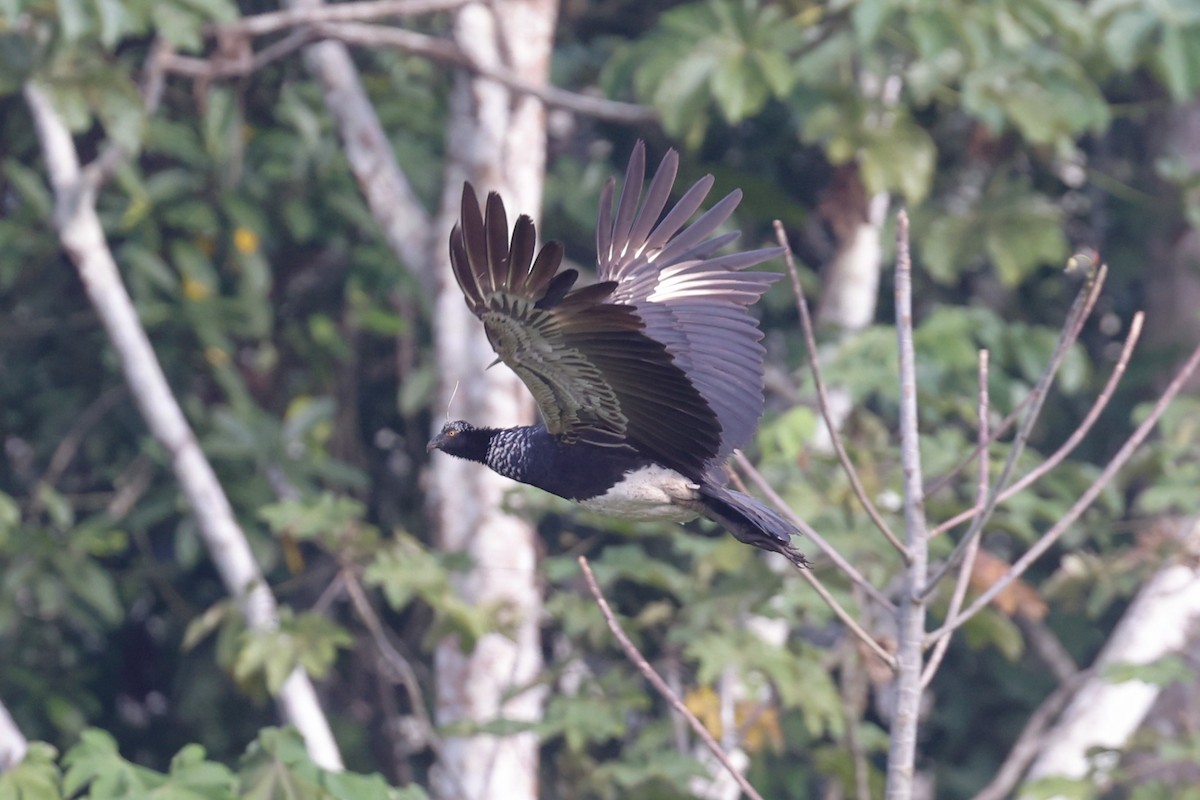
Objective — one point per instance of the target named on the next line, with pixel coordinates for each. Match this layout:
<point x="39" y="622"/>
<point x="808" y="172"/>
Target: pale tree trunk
<point x="850" y="282"/>
<point x="497" y="140"/>
<point x="85" y="242"/>
<point x="1105" y="713"/>
<point x="1166" y="610"/>
<point x="13" y="744"/>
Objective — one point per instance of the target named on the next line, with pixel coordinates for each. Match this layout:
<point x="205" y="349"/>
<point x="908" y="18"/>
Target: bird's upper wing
<point x="695" y="304"/>
<point x="589" y="360"/>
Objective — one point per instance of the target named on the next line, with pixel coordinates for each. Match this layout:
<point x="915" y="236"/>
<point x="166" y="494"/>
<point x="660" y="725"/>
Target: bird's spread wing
<point x="588" y="359"/>
<point x="695" y="304"/>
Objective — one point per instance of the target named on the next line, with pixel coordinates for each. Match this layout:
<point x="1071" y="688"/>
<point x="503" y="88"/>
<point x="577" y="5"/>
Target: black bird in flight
<point x="648" y="379"/>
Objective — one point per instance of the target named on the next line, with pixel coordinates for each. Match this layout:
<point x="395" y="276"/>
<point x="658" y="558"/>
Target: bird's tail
<point x="750" y="521"/>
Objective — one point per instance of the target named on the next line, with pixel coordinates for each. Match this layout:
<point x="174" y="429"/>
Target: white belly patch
<point x="651" y="493"/>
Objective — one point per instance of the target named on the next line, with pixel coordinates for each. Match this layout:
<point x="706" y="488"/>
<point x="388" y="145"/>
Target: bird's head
<point x="462" y="439"/>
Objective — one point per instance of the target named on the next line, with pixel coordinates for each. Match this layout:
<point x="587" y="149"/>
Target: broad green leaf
<point x="1126" y="34"/>
<point x="1020" y="243"/>
<point x="178" y="25"/>
<point x="991" y="627"/>
<point x="36" y="777"/>
<point x="96" y="763"/>
<point x="1162" y="672"/>
<point x="115" y="22"/>
<point x="869" y="17"/>
<point x="1178" y="58"/>
<point x="213" y="10"/>
<point x="277" y="766"/>
<point x="900" y="157"/>
<point x="73" y="19"/>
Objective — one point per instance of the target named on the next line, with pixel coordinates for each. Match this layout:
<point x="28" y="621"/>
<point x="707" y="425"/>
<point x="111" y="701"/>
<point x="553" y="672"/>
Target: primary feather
<point x="646" y="380"/>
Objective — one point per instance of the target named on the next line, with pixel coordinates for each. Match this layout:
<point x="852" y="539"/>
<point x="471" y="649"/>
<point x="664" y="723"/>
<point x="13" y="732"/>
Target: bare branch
<point x="639" y="661"/>
<point x="71" y="441"/>
<point x="97" y="173"/>
<point x="911" y="618"/>
<point x="946" y="478"/>
<point x="260" y="24"/>
<point x="1101" y="402"/>
<point x="814" y="362"/>
<point x="1086" y="499"/>
<point x="1032" y="740"/>
<point x="1080" y="310"/>
<point x="399" y="666"/>
<point x="848" y="621"/>
<point x="440" y="50"/>
<point x="83" y="238"/>
<point x="968" y="563"/>
<point x="1047" y="646"/>
<point x="394" y="204"/>
<point x="824" y="546"/>
<point x="853" y="688"/>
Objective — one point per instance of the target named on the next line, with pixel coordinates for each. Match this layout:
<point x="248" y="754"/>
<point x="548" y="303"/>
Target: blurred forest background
<point x="301" y="318"/>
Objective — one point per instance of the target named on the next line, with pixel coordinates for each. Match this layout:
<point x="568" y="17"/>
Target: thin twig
<point x="65" y="452"/>
<point x="968" y="563"/>
<point x="1047" y="646"/>
<point x="853" y="696"/>
<point x="220" y="66"/>
<point x="400" y="667"/>
<point x="1086" y="499"/>
<point x="815" y="582"/>
<point x="814" y="363"/>
<point x="432" y="47"/>
<point x="447" y="53"/>
<point x="848" y="620"/>
<point x="911" y="617"/>
<point x="273" y="21"/>
<point x="824" y="546"/>
<point x="638" y="660"/>
<point x="1080" y="310"/>
<point x="105" y="165"/>
<point x="1101" y="402"/>
<point x="1031" y="742"/>
<point x="945" y="479"/>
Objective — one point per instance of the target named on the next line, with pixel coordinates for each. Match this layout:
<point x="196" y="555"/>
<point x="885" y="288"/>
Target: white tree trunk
<point x="84" y="240"/>
<point x="850" y="283"/>
<point x="13" y="744"/>
<point x="1103" y="713"/>
<point x="497" y="141"/>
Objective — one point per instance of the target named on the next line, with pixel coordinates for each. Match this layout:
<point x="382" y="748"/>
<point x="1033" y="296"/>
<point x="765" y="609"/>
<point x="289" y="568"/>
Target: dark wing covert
<point x="595" y="370"/>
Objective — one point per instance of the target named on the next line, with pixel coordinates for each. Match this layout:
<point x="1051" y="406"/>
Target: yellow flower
<point x="195" y="290"/>
<point x="216" y="356"/>
<point x="245" y="240"/>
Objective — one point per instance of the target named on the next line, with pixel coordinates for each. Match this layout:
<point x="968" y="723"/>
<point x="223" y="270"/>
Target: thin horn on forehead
<point x="451" y="400"/>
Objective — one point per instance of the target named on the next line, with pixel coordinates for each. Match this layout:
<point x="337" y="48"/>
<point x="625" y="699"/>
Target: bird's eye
<point x="452" y="433"/>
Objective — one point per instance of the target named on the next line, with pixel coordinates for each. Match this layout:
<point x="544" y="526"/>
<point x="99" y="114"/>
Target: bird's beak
<point x="434" y="444"/>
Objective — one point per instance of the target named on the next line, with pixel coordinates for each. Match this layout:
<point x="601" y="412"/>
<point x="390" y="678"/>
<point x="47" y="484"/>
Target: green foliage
<point x="1014" y="228"/>
<point x="305" y="640"/>
<point x="1161" y="672"/>
<point x="408" y="570"/>
<point x="1175" y="463"/>
<point x="274" y="765"/>
<point x="301" y="352"/>
<point x="1165" y="37"/>
<point x="37" y="777"/>
<point x="733" y="55"/>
